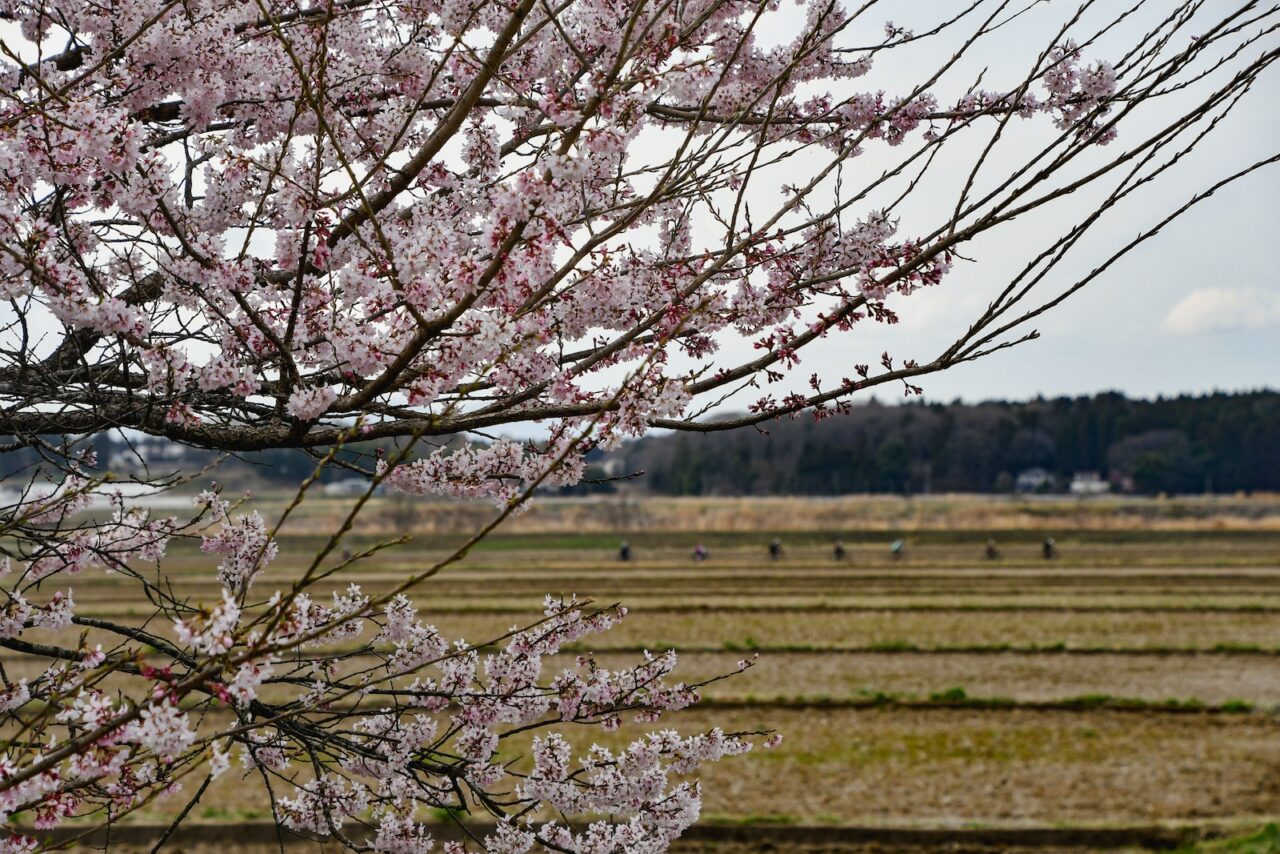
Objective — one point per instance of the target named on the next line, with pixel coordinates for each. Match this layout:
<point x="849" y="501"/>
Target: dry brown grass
<point x="1212" y="679"/>
<point x="887" y="765"/>
<point x="610" y="514"/>
<point x="948" y="628"/>
<point x="897" y="765"/>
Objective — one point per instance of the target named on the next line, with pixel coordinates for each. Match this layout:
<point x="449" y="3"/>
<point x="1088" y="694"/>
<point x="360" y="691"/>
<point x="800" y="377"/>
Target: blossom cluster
<point x="295" y="224"/>
<point x="406" y="719"/>
<point x="436" y="243"/>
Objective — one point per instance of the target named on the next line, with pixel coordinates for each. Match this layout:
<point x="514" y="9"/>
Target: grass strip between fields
<point x="822" y="608"/>
<point x="886" y="648"/>
<point x="945" y="700"/>
<point x="959" y="699"/>
<point x="906" y="648"/>
<point x="784" y="830"/>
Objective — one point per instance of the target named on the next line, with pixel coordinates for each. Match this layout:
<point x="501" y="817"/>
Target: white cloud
<point x="1220" y="309"/>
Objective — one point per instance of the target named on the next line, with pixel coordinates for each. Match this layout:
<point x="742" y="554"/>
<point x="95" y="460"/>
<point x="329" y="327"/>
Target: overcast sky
<point x="1194" y="310"/>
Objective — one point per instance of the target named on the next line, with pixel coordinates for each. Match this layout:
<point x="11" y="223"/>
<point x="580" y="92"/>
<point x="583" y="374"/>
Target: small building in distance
<point x="1034" y="480"/>
<point x="1089" y="483"/>
<point x="345" y="487"/>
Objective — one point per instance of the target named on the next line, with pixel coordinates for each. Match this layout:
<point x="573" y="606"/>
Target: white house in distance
<point x="1089" y="483"/>
<point x="1034" y="480"/>
<point x="346" y="487"/>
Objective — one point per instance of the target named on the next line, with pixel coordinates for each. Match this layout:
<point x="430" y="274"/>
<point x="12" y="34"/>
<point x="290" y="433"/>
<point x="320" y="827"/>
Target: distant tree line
<point x="132" y="457"/>
<point x="1213" y="443"/>
<point x="1217" y="443"/>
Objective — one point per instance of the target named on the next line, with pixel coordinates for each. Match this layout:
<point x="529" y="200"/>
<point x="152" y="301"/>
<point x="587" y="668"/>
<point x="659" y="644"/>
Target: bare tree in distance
<point x="250" y="225"/>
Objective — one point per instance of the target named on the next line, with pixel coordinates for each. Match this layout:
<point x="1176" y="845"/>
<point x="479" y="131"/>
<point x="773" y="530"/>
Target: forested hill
<point x="1219" y="442"/>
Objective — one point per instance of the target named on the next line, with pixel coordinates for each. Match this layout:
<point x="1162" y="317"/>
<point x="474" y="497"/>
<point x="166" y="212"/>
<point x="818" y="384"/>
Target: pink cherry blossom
<point x="384" y="233"/>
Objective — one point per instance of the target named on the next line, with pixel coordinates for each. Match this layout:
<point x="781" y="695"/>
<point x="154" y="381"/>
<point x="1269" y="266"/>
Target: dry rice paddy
<point x="1134" y="679"/>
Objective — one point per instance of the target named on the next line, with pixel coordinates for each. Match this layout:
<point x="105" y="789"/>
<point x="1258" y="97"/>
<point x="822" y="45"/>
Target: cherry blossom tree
<point x="254" y="224"/>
